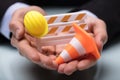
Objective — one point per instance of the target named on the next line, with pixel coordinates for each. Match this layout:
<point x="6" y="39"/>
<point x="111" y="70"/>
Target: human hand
<point x="23" y="42"/>
<point x="97" y="29"/>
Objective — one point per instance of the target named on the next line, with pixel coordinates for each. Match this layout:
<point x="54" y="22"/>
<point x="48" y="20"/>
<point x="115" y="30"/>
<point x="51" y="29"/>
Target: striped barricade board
<point x="60" y="28"/>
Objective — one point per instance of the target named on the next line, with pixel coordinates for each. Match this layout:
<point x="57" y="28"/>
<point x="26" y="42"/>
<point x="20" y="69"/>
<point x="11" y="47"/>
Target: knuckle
<point x="34" y="58"/>
<point x="18" y="11"/>
<point x="102" y="22"/>
<point x="68" y="71"/>
<point x="81" y="67"/>
<point x="12" y="24"/>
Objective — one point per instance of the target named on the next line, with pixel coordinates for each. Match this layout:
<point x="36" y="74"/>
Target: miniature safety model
<point x="78" y="41"/>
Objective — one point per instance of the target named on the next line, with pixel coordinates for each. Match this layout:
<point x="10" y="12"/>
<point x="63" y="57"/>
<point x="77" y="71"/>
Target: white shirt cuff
<point x="88" y="13"/>
<point x="7" y="17"/>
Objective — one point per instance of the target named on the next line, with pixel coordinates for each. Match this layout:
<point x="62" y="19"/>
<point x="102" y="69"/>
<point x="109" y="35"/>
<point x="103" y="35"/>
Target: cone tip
<point x="59" y="60"/>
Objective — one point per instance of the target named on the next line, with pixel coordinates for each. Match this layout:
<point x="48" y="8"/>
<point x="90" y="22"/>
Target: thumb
<point x="17" y="29"/>
<point x="100" y="41"/>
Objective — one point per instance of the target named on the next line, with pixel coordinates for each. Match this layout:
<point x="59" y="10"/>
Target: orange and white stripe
<point x="62" y="22"/>
<point x="72" y="51"/>
<point x="51" y="40"/>
<point x="61" y="29"/>
<point x="81" y="44"/>
<point x="64" y="17"/>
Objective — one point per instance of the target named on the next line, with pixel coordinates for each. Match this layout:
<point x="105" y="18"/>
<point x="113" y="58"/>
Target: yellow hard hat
<point x="35" y="24"/>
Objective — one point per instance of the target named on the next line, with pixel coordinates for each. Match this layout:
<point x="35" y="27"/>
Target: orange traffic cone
<point x="81" y="44"/>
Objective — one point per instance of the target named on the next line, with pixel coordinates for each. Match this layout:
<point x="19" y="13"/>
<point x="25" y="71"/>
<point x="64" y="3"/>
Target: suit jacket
<point x="107" y="10"/>
<point x="4" y="4"/>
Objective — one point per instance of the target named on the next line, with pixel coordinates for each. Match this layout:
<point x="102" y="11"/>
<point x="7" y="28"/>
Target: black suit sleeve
<point x="107" y="10"/>
<point x="4" y="4"/>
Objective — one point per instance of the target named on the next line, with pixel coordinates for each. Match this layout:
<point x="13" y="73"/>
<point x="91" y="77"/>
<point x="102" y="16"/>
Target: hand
<point x="97" y="29"/>
<point x="23" y="44"/>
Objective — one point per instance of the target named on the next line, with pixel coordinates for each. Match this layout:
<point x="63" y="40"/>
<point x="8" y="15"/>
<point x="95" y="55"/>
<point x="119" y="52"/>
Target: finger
<point x="48" y="50"/>
<point x="99" y="43"/>
<point x="16" y="23"/>
<point x="59" y="48"/>
<point x="29" y="52"/>
<point x="31" y="39"/>
<point x="17" y="28"/>
<point x="47" y="62"/>
<point x="70" y="67"/>
<point x="14" y="41"/>
<point x="26" y="50"/>
<point x="100" y="34"/>
<point x="53" y="57"/>
<point x="86" y="63"/>
<point x="33" y="55"/>
<point x="61" y="67"/>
